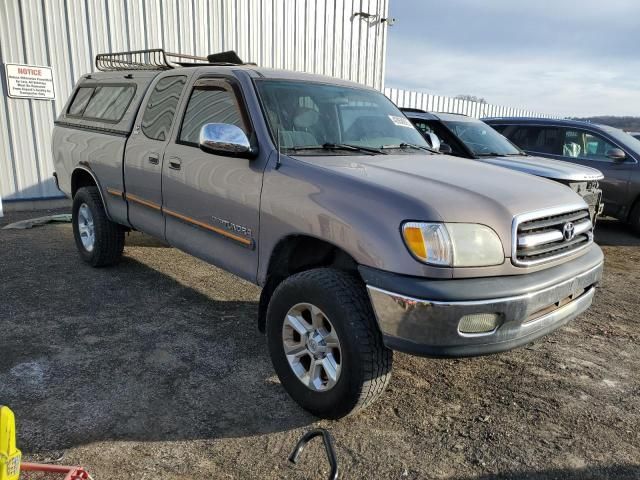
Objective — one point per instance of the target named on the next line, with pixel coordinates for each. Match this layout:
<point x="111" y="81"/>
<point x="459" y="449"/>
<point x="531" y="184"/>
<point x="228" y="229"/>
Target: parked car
<point x="322" y="192"/>
<point x="468" y="137"/>
<point x="635" y="135"/>
<point x="612" y="151"/>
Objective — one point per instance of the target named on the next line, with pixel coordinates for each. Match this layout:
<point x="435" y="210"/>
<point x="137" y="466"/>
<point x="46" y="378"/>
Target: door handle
<point x="175" y="164"/>
<point x="154" y="159"/>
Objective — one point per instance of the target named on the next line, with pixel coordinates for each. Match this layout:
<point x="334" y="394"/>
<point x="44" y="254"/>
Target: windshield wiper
<point x="489" y="154"/>
<point x="494" y="154"/>
<point x="404" y="146"/>
<point x="355" y="148"/>
<point x="337" y="146"/>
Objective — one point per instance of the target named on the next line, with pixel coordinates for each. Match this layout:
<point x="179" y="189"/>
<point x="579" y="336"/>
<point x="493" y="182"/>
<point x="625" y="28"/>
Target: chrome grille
<point x="546" y="236"/>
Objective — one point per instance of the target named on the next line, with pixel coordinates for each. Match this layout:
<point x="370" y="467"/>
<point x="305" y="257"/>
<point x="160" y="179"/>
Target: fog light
<point x="479" y="323"/>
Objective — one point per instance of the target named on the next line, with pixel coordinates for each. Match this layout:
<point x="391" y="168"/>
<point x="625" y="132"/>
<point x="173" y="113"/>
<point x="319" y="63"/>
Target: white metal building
<point x="318" y="36"/>
<point x="438" y="103"/>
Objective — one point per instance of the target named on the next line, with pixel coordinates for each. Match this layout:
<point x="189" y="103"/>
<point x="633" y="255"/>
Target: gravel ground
<point x="154" y="369"/>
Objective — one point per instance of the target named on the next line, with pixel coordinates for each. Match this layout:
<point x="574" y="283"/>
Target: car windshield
<point x="624" y="138"/>
<point x="339" y="120"/>
<point x="480" y="138"/>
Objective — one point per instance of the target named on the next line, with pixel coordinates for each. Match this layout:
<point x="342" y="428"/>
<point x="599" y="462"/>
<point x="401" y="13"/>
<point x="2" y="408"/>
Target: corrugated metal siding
<point x="437" y="103"/>
<point x="318" y="36"/>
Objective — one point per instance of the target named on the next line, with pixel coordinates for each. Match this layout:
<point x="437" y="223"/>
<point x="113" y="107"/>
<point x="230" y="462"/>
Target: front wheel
<point x="634" y="218"/>
<point x="325" y="344"/>
<point x="99" y="240"/>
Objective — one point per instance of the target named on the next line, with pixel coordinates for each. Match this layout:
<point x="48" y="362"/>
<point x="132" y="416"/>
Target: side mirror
<point x="225" y="139"/>
<point x="433" y="139"/>
<point x="446" y="149"/>
<point x="616" y="154"/>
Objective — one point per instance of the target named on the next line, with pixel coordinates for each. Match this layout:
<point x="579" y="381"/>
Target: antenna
<point x="278" y="161"/>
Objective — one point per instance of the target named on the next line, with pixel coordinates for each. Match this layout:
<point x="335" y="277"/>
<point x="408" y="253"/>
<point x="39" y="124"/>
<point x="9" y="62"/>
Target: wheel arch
<point x="296" y="253"/>
<point x="84" y="177"/>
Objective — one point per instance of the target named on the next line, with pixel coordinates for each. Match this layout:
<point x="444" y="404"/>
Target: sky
<point x="565" y="57"/>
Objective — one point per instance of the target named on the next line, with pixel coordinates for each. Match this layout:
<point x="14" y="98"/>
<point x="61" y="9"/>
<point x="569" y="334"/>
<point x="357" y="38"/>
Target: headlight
<point x="453" y="244"/>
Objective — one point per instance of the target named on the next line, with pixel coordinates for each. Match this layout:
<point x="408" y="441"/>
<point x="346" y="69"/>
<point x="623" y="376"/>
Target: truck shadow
<point x="617" y="472"/>
<point x="130" y="352"/>
<point x="614" y="233"/>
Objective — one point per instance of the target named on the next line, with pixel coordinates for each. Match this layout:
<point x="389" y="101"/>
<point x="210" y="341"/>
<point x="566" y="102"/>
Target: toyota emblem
<point x="568" y="231"/>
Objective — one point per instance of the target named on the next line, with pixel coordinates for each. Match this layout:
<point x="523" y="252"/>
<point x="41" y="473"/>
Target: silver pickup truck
<point x="323" y="193"/>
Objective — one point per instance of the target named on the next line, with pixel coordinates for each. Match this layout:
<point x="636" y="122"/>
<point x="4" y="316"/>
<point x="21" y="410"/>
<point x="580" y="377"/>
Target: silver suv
<point x="322" y="192"/>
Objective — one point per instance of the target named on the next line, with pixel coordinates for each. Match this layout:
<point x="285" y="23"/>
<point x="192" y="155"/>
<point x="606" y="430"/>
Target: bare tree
<point x="624" y="123"/>
<point x="471" y="98"/>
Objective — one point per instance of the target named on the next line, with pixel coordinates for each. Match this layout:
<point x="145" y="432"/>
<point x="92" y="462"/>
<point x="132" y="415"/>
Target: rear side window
<point x="109" y="102"/>
<point x="538" y="139"/>
<point x="83" y="95"/>
<point x="209" y="105"/>
<point x="161" y="107"/>
<point x="106" y="103"/>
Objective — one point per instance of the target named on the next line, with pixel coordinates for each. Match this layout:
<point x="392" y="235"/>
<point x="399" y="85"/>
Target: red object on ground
<point x="72" y="473"/>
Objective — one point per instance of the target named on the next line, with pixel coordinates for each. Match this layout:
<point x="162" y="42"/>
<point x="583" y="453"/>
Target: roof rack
<point x="158" y="59"/>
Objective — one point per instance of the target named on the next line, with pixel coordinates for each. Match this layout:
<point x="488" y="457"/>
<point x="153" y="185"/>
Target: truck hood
<point x="546" y="167"/>
<point x="452" y="189"/>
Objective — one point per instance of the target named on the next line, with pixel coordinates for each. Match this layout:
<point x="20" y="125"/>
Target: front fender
<point x="358" y="217"/>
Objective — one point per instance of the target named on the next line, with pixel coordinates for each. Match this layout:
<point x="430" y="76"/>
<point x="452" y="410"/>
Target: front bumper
<point x="424" y="318"/>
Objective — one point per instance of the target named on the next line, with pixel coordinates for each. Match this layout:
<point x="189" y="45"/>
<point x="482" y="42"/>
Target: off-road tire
<point x="634" y="218"/>
<point x="366" y="362"/>
<point x="109" y="236"/>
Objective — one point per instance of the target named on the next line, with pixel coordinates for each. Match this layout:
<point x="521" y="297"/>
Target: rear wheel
<point x="99" y="240"/>
<point x="325" y="344"/>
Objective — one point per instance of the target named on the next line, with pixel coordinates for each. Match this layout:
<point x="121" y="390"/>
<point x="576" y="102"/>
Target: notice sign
<point x="30" y="81"/>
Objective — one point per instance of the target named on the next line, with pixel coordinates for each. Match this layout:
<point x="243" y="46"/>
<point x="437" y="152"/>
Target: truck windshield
<point x="311" y="114"/>
<point x="481" y="139"/>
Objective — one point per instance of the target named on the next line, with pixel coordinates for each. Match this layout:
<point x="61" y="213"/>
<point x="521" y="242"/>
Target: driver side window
<point x="423" y="127"/>
<point x="210" y="102"/>
<point x="586" y="145"/>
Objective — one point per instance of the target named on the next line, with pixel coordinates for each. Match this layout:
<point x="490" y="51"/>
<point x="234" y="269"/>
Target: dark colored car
<point x="635" y="135"/>
<point x="467" y="137"/>
<point x="615" y="153"/>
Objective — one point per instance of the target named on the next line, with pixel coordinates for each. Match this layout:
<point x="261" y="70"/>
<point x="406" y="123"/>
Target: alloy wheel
<point x="312" y="347"/>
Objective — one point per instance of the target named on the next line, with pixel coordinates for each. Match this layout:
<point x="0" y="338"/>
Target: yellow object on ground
<point x="9" y="454"/>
